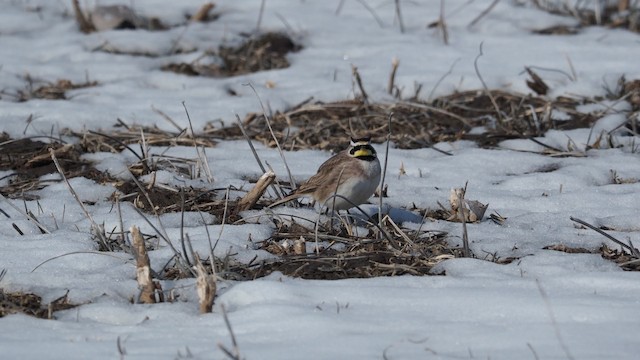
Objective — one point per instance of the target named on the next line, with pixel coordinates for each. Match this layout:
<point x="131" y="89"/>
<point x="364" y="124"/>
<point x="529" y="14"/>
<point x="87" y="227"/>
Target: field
<point x="142" y="144"/>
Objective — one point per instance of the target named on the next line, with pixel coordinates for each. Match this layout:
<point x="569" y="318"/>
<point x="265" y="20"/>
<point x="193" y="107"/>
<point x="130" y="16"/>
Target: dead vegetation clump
<point x="46" y="90"/>
<point x="346" y="255"/>
<point x="622" y="258"/>
<point x="417" y="124"/>
<point x="31" y="304"/>
<point x="257" y="53"/>
<point x="120" y="17"/>
<point x="30" y="159"/>
<point x="610" y="13"/>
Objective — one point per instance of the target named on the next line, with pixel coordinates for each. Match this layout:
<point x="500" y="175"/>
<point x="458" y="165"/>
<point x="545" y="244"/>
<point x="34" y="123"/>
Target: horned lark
<point x="353" y="173"/>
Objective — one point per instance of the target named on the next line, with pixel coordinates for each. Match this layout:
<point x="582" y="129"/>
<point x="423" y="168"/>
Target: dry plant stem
<point x="252" y="197"/>
<point x="223" y="222"/>
<point x="97" y="229"/>
<point x="483" y="13"/>
<point x="443" y="24"/>
<point x="102" y="253"/>
<point x="260" y="14"/>
<point x="399" y="16"/>
<point x="26" y="215"/>
<point x="253" y="149"/>
<point x="143" y="268"/>
<point x="372" y="12"/>
<point x="165" y="238"/>
<point x="273" y="135"/>
<point x="556" y="328"/>
<point x="203" y="12"/>
<point x="141" y="158"/>
<point x="83" y="23"/>
<point x="634" y="252"/>
<point x="205" y="286"/>
<point x="384" y="168"/>
<point x="235" y="355"/>
<point x="356" y="76"/>
<point x="484" y="85"/>
<point x="182" y="238"/>
<point x="166" y="117"/>
<point x="202" y="156"/>
<point x="465" y="235"/>
<point x="392" y="78"/>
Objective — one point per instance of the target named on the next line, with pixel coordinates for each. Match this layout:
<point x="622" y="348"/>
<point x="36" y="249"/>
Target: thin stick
<point x="224" y="219"/>
<point x="483" y="13"/>
<point x="399" y="16"/>
<point x="260" y="14"/>
<point x="236" y="351"/>
<point x="633" y="250"/>
<point x="384" y="168"/>
<point x="392" y="78"/>
<point x="253" y="149"/>
<point x="556" y="328"/>
<point x="97" y="229"/>
<point x="356" y="75"/>
<point x="182" y="240"/>
<point x="465" y="236"/>
<point x="443" y="24"/>
<point x="372" y="12"/>
<point x="442" y="79"/>
<point x="25" y="214"/>
<point x="484" y="84"/>
<point x="273" y="135"/>
<point x="76" y="253"/>
<point x="202" y="156"/>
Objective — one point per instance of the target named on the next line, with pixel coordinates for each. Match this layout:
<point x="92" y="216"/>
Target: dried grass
<point x="258" y="53"/>
<point x="417" y="124"/>
<point x="31" y="304"/>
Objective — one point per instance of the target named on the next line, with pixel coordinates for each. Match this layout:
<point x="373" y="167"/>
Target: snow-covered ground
<point x="545" y="305"/>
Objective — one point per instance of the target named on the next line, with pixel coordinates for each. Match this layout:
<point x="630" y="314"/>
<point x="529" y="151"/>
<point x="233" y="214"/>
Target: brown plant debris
<point x="612" y="14"/>
<point x="625" y="260"/>
<point x="464" y="210"/>
<point x="37" y="89"/>
<point x="257" y="53"/>
<point x="118" y="140"/>
<point x="348" y="256"/>
<point x="416" y="124"/>
<point x="30" y="159"/>
<point x="31" y="304"/>
<point x="113" y="17"/>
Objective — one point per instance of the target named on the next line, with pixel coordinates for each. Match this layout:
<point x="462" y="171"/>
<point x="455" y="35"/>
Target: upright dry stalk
<point x="443" y="24"/>
<point x="356" y="76"/>
<point x="143" y="268"/>
<point x="392" y="78"/>
<point x="249" y="200"/>
<point x="273" y="135"/>
<point x="203" y="13"/>
<point x="384" y="170"/>
<point x="399" y="16"/>
<point x="484" y="85"/>
<point x="85" y="25"/>
<point x="461" y="215"/>
<point x="206" y="286"/>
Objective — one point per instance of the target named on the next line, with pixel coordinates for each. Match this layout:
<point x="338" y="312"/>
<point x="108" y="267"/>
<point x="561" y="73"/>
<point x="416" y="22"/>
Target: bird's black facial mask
<point x="362" y="149"/>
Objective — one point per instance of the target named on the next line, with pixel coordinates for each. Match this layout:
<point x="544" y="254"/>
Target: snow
<point x="545" y="305"/>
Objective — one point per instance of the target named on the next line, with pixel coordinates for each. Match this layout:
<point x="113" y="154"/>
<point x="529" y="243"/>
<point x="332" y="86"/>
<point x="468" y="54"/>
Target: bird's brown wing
<point x="329" y="170"/>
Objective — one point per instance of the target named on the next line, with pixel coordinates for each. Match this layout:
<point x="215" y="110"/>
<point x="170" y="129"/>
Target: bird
<point x="353" y="173"/>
